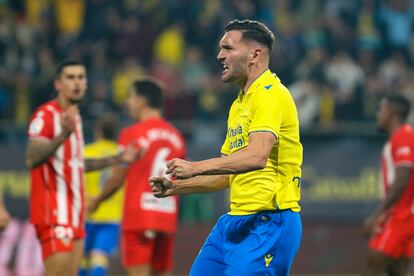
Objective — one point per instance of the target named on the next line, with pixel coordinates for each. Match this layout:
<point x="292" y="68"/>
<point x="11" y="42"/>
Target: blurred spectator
<point x="99" y="100"/>
<point x="306" y="94"/>
<point x="368" y="34"/>
<point x="393" y="72"/>
<point x="346" y="77"/>
<point x="122" y="79"/>
<point x="34" y="10"/>
<point x="396" y="18"/>
<point x="170" y="45"/>
<point x="193" y="70"/>
<point x="69" y="15"/>
<point x="122" y="40"/>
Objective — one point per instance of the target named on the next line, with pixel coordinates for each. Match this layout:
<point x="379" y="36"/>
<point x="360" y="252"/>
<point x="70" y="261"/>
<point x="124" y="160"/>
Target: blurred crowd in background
<point x="337" y="57"/>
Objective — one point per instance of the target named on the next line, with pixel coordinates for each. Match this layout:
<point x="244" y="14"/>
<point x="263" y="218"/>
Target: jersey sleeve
<point x="225" y="147"/>
<point x="403" y="150"/>
<point x="41" y="125"/>
<point x="266" y="112"/>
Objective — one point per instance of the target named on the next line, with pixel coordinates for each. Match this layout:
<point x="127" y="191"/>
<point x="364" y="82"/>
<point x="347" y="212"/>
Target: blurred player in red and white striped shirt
<point x="391" y="226"/>
<point x="55" y="157"/>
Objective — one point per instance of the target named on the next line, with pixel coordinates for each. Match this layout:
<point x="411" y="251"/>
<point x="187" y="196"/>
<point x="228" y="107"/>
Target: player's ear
<point x="255" y="54"/>
<point x="57" y="84"/>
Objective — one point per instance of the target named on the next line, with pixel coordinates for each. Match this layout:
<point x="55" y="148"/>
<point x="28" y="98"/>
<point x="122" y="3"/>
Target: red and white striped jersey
<point x="141" y="209"/>
<point x="399" y="151"/>
<point x="56" y="195"/>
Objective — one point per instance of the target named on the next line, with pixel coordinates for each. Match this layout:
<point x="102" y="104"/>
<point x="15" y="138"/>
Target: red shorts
<point x="395" y="239"/>
<point x="57" y="238"/>
<point x="139" y="249"/>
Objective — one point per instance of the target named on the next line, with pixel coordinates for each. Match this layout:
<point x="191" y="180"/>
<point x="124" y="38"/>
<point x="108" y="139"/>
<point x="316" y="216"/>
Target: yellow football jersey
<point x="110" y="210"/>
<point x="266" y="106"/>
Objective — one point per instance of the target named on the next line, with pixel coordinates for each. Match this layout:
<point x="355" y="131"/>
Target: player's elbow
<point x="259" y="161"/>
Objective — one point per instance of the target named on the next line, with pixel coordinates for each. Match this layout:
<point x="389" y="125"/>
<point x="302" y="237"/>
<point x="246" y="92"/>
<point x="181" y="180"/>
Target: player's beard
<point x="75" y="101"/>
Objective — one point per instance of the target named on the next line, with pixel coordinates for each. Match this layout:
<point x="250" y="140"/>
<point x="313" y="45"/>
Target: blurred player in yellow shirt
<point x="102" y="227"/>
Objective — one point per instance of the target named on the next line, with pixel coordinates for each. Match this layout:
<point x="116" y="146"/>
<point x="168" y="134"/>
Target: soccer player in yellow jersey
<point x="102" y="227"/>
<point x="260" y="163"/>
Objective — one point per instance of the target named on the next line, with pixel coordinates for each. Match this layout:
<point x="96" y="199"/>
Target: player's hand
<point x="132" y="153"/>
<point x="68" y="120"/>
<point x="161" y="186"/>
<point x="4" y="218"/>
<point x="181" y="169"/>
<point x="372" y="224"/>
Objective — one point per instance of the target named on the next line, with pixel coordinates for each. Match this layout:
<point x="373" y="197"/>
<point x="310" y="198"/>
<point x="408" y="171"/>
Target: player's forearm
<point x="201" y="184"/>
<point x="98" y="164"/>
<point x="38" y="153"/>
<point x="244" y="160"/>
<point x="113" y="184"/>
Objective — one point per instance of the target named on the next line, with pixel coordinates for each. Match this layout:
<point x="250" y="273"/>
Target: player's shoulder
<point x="46" y="109"/>
<point x="405" y="130"/>
<point x="404" y="134"/>
<point x="272" y="86"/>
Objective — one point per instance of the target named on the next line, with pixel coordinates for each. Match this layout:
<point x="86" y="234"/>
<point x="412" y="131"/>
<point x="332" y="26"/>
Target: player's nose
<point x="220" y="56"/>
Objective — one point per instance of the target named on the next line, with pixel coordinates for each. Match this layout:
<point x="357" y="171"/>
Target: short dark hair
<point x="151" y="89"/>
<point x="253" y="30"/>
<point x="400" y="105"/>
<point x="107" y="124"/>
<point x="66" y="63"/>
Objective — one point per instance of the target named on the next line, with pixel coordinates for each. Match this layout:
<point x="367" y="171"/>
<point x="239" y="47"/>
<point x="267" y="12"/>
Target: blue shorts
<point x="264" y="243"/>
<point x="102" y="237"/>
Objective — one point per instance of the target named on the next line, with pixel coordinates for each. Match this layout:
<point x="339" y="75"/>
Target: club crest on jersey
<point x="64" y="234"/>
<point x="268" y="259"/>
<point x="36" y="125"/>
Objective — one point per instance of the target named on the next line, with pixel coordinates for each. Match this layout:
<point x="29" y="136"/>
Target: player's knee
<point x="98" y="260"/>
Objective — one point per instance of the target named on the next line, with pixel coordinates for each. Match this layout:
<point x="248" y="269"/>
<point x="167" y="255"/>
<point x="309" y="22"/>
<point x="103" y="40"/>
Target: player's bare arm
<point x="251" y="158"/>
<point x="114" y="182"/>
<point x="163" y="187"/>
<point x="129" y="154"/>
<point x="402" y="176"/>
<point x="38" y="150"/>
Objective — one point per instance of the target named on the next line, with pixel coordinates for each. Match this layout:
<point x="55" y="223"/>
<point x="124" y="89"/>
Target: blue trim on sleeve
<point x="264" y="131"/>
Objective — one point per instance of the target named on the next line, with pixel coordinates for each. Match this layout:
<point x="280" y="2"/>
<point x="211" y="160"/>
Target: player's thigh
<point x="106" y="238"/>
<point x="268" y="247"/>
<point x="139" y="270"/>
<point x="210" y="259"/>
<point x="78" y="246"/>
<point x="163" y="253"/>
<point x="136" y="249"/>
<point x="90" y="229"/>
<point x="58" y="264"/>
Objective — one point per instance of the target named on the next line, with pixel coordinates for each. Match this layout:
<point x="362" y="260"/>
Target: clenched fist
<point x="161" y="186"/>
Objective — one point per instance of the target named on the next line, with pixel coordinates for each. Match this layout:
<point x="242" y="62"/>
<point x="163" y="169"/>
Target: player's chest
<point x="238" y="126"/>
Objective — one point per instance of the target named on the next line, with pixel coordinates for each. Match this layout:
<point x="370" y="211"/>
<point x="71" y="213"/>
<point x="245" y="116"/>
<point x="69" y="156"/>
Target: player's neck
<point x="394" y="126"/>
<point x="63" y="103"/>
<point x="150" y="114"/>
<point x="254" y="73"/>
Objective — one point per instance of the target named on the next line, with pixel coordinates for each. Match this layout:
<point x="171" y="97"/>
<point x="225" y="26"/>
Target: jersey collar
<point x="260" y="80"/>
